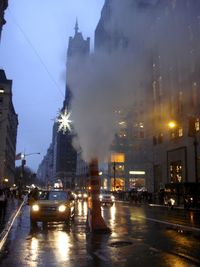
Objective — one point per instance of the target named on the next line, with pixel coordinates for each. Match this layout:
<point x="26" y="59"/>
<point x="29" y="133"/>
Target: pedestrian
<point x="3" y="202"/>
<point x="33" y="196"/>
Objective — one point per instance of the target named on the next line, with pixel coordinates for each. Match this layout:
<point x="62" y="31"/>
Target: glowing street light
<point x="172" y="124"/>
<point x="22" y="157"/>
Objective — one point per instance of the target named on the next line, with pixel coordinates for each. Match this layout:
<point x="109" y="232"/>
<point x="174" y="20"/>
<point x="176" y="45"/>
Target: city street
<point x="141" y="236"/>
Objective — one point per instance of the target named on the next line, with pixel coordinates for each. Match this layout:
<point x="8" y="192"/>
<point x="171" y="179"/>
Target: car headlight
<point x="113" y="198"/>
<point x="75" y="195"/>
<point x="172" y="201"/>
<point x="62" y="208"/>
<point x="35" y="207"/>
<point x="85" y="195"/>
<point x="79" y="195"/>
<point x="100" y="197"/>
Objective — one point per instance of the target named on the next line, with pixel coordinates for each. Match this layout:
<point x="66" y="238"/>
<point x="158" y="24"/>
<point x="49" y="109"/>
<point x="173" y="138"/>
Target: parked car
<point x="106" y="197"/>
<point x="51" y="206"/>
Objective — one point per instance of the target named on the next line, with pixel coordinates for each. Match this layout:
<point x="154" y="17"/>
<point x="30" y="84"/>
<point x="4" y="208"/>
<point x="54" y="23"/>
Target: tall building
<point x="130" y="158"/>
<point x="176" y="98"/>
<point x="66" y="155"/>
<point x="8" y="121"/>
<point x="8" y="131"/>
<point x="170" y="32"/>
<point x="64" y="158"/>
<point x="3" y="6"/>
<point x="78" y="48"/>
<point x="45" y="169"/>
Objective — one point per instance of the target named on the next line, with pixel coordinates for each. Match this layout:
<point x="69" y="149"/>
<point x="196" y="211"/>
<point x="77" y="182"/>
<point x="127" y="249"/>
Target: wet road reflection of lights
<point x="138" y="215"/>
<point x="112" y="215"/>
<point x="82" y="208"/>
<point x="63" y="246"/>
<point x="191" y="217"/>
<point x="34" y="252"/>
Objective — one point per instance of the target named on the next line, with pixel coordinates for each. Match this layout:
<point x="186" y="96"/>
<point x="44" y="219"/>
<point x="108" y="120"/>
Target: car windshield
<point x="105" y="192"/>
<point x="53" y="195"/>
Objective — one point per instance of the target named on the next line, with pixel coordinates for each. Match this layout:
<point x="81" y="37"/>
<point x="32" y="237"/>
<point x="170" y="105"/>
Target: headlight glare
<point x="62" y="208"/>
<point x="35" y="207"/>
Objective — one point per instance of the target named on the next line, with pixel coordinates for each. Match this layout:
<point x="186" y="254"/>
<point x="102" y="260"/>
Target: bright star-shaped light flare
<point x="64" y="121"/>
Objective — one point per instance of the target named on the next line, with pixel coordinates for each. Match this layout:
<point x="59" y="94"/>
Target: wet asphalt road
<point x="141" y="236"/>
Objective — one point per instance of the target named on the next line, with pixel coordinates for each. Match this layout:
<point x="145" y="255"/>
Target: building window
<point x="160" y="138"/>
<point x="141" y="134"/>
<point x="197" y="125"/>
<point x="176" y="172"/>
<point x="117" y="157"/>
<point x="180" y="132"/>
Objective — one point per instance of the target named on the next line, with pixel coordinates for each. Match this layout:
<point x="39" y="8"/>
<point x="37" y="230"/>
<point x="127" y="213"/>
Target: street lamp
<point x="172" y="124"/>
<point x="192" y="132"/>
<point x="114" y="169"/>
<point x="22" y="156"/>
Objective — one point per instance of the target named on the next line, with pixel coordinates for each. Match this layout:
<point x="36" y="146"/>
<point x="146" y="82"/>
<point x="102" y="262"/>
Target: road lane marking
<point x="190" y="228"/>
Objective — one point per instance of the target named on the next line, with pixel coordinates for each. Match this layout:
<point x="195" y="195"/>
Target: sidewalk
<point x="12" y="205"/>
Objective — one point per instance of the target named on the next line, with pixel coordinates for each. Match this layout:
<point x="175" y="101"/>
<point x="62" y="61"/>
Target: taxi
<point x="53" y="206"/>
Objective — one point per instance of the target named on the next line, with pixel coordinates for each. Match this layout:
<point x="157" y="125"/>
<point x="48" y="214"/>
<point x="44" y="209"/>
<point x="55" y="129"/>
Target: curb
<point x="9" y="224"/>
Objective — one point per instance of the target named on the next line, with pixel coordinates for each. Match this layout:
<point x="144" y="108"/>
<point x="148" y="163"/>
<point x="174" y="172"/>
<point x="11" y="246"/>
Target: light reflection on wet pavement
<point x="134" y="241"/>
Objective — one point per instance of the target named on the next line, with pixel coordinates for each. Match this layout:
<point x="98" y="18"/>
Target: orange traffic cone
<point x="95" y="221"/>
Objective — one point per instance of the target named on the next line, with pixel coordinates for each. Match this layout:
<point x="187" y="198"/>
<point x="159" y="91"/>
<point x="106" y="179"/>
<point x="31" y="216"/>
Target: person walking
<point x="3" y="201"/>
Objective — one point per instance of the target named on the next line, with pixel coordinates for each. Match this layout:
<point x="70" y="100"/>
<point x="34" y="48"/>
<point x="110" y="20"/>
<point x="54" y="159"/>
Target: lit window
<point x="1" y="91"/>
<point x="117" y="157"/>
<point x="180" y="132"/>
<point x="197" y="125"/>
<point x="176" y="171"/>
<point x="141" y="125"/>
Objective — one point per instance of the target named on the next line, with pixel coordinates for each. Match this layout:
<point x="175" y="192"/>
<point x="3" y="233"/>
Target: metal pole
<point x="114" y="165"/>
<point x="196" y="158"/>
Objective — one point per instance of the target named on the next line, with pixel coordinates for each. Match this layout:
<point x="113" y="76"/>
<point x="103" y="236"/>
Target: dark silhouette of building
<point x="3" y="6"/>
<point x="64" y="154"/>
<point x="8" y="131"/>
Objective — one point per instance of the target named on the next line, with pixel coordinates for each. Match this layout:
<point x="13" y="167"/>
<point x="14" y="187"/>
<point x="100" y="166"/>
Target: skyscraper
<point x="3" y="6"/>
<point x="64" y="154"/>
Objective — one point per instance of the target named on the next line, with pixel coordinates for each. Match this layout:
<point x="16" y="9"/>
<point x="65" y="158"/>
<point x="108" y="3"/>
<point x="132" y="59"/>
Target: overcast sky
<point x="33" y="54"/>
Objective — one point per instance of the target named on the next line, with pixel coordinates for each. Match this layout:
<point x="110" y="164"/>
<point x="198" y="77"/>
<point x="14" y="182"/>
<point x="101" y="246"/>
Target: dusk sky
<point x="33" y="54"/>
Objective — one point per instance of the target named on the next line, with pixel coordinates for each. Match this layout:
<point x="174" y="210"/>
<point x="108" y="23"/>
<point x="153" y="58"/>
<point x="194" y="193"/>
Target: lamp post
<point x="23" y="163"/>
<point x="192" y="132"/>
<point x="196" y="158"/>
<point x="114" y="169"/>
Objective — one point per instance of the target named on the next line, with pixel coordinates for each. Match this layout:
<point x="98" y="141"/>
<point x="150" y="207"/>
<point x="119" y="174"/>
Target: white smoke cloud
<point x="109" y="81"/>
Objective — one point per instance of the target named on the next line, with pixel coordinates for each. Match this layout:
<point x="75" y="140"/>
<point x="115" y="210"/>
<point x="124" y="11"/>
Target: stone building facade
<point x="8" y="131"/>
